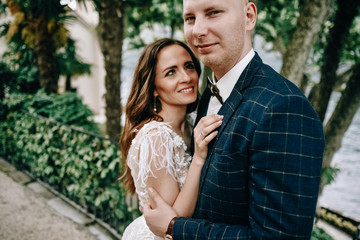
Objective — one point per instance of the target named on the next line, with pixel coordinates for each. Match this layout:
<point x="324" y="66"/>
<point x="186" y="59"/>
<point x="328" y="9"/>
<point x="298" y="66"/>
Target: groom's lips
<point x="205" y="48"/>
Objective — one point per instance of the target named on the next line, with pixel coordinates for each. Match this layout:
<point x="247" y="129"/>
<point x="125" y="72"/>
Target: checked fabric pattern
<point x="262" y="173"/>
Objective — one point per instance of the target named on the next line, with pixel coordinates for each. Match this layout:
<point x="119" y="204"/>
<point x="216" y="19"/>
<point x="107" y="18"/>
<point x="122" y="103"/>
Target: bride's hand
<point x="204" y="132"/>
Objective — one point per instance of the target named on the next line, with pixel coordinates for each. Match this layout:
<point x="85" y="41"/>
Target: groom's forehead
<point x="189" y="5"/>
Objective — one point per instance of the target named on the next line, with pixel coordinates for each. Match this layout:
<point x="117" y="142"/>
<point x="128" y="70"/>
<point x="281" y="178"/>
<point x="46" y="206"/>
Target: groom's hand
<point x="159" y="214"/>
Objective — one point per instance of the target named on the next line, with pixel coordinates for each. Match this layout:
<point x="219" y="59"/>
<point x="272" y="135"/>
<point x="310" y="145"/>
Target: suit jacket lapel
<point x="235" y="98"/>
<point x="203" y="105"/>
<point x="201" y="112"/>
<point x="228" y="108"/>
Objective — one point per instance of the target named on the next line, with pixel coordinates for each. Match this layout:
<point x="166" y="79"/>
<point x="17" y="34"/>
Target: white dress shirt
<point x="227" y="82"/>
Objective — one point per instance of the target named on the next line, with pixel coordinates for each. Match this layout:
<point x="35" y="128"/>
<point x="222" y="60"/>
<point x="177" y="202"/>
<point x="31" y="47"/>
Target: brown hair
<point x="140" y="105"/>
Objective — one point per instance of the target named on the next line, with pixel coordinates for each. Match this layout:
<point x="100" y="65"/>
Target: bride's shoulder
<point x="155" y="127"/>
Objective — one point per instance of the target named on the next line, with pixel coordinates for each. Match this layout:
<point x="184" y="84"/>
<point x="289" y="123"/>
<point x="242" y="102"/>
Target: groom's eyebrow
<point x="187" y="13"/>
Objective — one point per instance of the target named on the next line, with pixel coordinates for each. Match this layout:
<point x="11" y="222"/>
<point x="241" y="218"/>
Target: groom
<point x="261" y="176"/>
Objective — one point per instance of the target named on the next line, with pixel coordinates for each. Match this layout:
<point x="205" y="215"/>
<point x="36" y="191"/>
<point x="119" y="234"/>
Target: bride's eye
<point x="190" y="66"/>
<point x="170" y="73"/>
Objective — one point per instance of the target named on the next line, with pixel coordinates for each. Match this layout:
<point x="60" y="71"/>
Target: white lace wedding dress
<point x="155" y="143"/>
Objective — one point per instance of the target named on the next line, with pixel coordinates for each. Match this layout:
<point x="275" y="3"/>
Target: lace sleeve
<point x="153" y="148"/>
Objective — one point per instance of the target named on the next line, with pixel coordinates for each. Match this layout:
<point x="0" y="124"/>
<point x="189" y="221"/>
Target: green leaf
<point x="329" y="174"/>
<point x="113" y="164"/>
<point x="104" y="172"/>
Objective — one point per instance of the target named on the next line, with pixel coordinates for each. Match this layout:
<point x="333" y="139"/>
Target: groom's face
<point x="216" y="29"/>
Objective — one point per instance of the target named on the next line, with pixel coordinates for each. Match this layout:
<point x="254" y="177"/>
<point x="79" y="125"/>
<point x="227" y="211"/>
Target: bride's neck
<point x="176" y="118"/>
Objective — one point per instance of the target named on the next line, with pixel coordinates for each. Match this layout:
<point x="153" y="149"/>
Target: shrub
<point x="66" y="108"/>
<point x="82" y="166"/>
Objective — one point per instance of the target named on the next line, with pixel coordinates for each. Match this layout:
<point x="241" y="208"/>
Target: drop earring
<point x="155" y="109"/>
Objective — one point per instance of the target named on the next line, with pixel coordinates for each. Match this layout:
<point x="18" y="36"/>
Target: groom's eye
<point x="189" y="20"/>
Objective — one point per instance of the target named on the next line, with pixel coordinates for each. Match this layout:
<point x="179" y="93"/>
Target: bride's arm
<point x="184" y="201"/>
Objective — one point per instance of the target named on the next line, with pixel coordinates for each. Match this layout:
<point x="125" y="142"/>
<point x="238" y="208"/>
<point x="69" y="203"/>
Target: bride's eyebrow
<point x="168" y="68"/>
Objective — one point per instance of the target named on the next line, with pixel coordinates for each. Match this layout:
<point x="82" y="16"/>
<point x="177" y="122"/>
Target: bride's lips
<point x="187" y="90"/>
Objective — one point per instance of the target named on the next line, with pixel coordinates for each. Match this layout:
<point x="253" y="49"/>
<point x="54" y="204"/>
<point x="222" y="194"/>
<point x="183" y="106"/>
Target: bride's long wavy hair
<point x="140" y="105"/>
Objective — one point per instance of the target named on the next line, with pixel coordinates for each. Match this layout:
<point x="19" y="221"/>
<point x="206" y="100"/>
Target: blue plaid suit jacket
<point x="261" y="176"/>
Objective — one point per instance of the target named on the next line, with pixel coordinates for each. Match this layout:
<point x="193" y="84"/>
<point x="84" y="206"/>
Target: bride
<point x="157" y="132"/>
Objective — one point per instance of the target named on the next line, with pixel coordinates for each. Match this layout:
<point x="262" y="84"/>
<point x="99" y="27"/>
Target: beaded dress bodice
<point x="156" y="143"/>
<point x="156" y="146"/>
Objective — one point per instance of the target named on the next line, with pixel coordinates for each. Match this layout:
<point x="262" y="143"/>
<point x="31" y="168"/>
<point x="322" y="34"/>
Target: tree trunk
<point x="341" y="118"/>
<point x="312" y="17"/>
<point x="44" y="49"/>
<point x="304" y="82"/>
<point x="111" y="15"/>
<point x="347" y="10"/>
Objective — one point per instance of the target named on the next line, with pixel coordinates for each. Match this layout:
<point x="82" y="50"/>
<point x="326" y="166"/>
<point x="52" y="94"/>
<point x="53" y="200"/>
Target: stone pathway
<point x="29" y="210"/>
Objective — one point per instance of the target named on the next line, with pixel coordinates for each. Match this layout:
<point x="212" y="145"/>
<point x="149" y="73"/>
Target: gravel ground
<point x="24" y="215"/>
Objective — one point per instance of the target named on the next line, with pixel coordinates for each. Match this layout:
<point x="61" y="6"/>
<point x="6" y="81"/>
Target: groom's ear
<point x="251" y="13"/>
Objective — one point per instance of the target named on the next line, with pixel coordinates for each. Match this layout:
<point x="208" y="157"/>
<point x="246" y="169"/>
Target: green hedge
<point x="80" y="165"/>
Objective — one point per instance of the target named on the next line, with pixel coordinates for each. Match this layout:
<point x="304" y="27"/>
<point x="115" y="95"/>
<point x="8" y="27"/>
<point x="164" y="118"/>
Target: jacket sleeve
<point x="285" y="159"/>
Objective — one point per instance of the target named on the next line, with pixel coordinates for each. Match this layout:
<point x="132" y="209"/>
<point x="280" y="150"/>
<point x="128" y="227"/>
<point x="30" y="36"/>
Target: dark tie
<point x="214" y="90"/>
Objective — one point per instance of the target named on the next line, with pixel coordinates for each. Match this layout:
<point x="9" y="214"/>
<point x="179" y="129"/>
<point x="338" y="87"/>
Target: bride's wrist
<point x="198" y="161"/>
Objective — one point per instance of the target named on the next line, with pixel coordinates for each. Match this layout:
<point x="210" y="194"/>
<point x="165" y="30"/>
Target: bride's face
<point x="176" y="80"/>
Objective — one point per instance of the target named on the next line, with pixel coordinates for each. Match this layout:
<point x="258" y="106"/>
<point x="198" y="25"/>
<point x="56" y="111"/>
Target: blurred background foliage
<point x="40" y="49"/>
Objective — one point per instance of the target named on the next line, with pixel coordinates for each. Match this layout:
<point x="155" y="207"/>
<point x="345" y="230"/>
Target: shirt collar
<point x="228" y="81"/>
